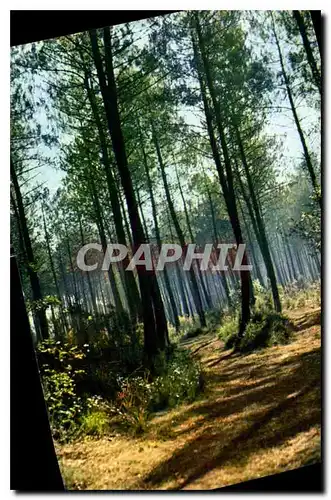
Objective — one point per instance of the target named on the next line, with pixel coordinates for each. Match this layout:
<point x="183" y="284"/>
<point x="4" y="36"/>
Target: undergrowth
<point x="87" y="398"/>
<point x="294" y="296"/>
<point x="179" y="380"/>
<point x="102" y="384"/>
<point x="265" y="328"/>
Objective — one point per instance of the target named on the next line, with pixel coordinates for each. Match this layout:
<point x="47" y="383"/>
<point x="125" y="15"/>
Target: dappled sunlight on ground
<point x="259" y="415"/>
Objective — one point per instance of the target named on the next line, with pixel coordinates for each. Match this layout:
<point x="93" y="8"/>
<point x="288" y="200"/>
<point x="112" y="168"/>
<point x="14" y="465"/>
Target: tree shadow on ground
<point x="263" y="405"/>
<point x="307" y="320"/>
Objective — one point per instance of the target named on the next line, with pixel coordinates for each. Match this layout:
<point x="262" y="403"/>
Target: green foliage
<point x="132" y="402"/>
<point x="187" y="324"/>
<point x="265" y="329"/>
<point x="61" y="356"/>
<point x="95" y="423"/>
<point x="263" y="301"/>
<point x="66" y="376"/>
<point x="64" y="406"/>
<point x="191" y="334"/>
<point x="228" y="331"/>
<point x="214" y="317"/>
<point x="37" y="305"/>
<point x="308" y="227"/>
<point x="179" y="380"/>
<point x="295" y="297"/>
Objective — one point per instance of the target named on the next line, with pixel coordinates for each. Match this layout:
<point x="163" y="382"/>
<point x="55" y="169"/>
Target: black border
<point x="33" y="461"/>
<point x="33" y="25"/>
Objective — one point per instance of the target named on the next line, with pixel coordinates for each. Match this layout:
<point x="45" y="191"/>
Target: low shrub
<point x="228" y="331"/>
<point x="187" y="324"/>
<point x="65" y="408"/>
<point x="296" y="295"/>
<point x="132" y="401"/>
<point x="77" y="383"/>
<point x="264" y="330"/>
<point x="95" y="423"/>
<point x="215" y="316"/>
<point x="179" y="380"/>
<point x="68" y="380"/>
<point x="301" y="302"/>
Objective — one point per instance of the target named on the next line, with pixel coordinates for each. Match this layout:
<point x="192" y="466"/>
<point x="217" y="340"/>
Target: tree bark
<point x="34" y="279"/>
<point x="155" y="325"/>
<point x="195" y="287"/>
<point x="157" y="234"/>
<point x="225" y="182"/>
<point x="309" y="164"/>
<point x="130" y="282"/>
<point x="262" y="237"/>
<point x="306" y="43"/>
<point x="316" y="20"/>
<point x="189" y="227"/>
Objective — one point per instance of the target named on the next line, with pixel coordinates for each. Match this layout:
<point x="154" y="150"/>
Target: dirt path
<point x="259" y="415"/>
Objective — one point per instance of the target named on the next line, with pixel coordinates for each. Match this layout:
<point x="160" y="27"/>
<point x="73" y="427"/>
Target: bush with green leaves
<point x="44" y="303"/>
<point x="187" y="324"/>
<point x="263" y="297"/>
<point x="64" y="371"/>
<point x="179" y="380"/>
<point x="265" y="329"/>
<point x="61" y="356"/>
<point x="77" y="380"/>
<point x="132" y="402"/>
<point x="65" y="408"/>
<point x="228" y="331"/>
<point x="95" y="423"/>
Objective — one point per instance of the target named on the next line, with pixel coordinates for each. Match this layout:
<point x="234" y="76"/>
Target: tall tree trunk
<point x="289" y="252"/>
<point x="100" y="223"/>
<point x="250" y="240"/>
<point x="51" y="262"/>
<point x="195" y="287"/>
<point x="316" y="20"/>
<point x="157" y="234"/>
<point x="306" y="43"/>
<point x="89" y="281"/>
<point x="126" y="223"/>
<point x="24" y="261"/>
<point x="70" y="255"/>
<point x="34" y="279"/>
<point x="190" y="232"/>
<point x="264" y="245"/>
<point x="181" y="285"/>
<point x="143" y="220"/>
<point x="221" y="273"/>
<point x="155" y="324"/>
<point x="308" y="160"/>
<point x="225" y="182"/>
<point x="130" y="282"/>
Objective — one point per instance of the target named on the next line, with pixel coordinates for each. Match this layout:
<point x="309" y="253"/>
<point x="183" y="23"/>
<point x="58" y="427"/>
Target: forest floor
<point x="258" y="415"/>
